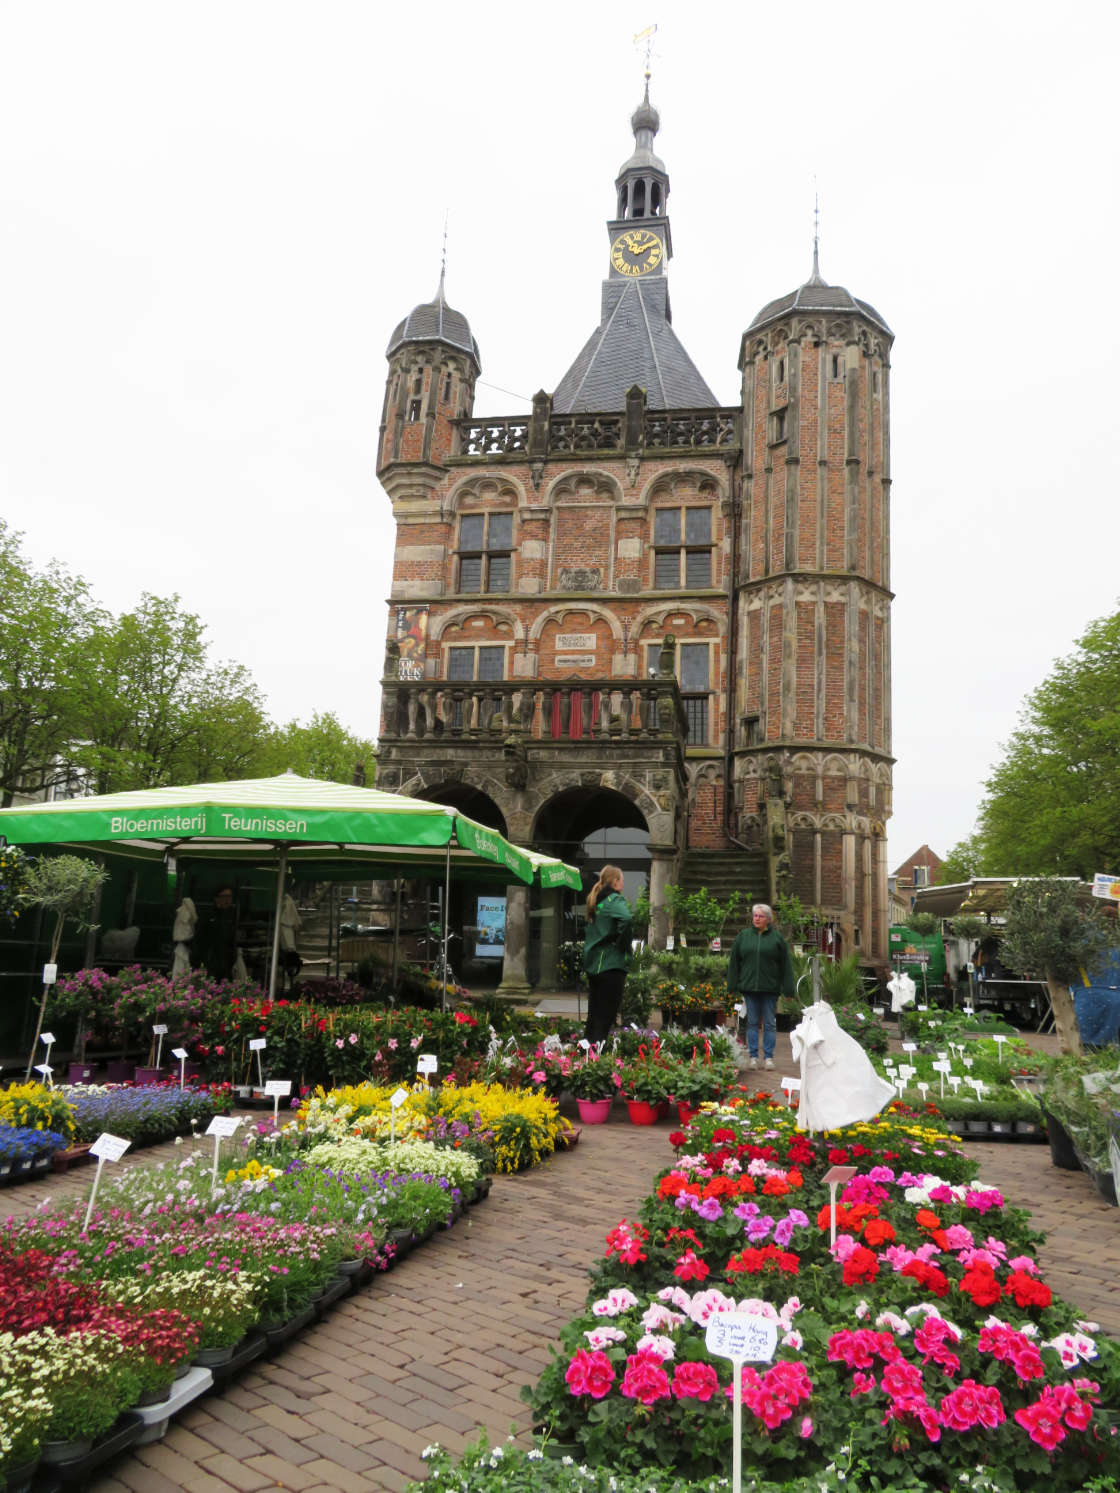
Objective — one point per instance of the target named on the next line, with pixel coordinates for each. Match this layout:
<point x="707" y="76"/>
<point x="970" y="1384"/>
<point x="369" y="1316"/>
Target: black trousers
<point x="604" y="996"/>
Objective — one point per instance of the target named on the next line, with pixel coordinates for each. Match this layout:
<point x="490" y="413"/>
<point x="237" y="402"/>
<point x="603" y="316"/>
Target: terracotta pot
<point x="594" y="1111"/>
<point x="642" y="1113"/>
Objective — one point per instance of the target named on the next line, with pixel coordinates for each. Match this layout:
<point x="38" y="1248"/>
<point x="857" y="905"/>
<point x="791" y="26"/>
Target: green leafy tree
<point x="1051" y="933"/>
<point x="964" y="861"/>
<point x="49" y="625"/>
<point x="323" y="748"/>
<point x="923" y="922"/>
<point x="1053" y="804"/>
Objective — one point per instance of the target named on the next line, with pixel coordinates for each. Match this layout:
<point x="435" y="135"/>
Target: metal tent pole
<point x="396" y="935"/>
<point x="446" y="913"/>
<point x="281" y="873"/>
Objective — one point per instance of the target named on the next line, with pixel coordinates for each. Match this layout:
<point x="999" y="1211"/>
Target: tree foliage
<point x="964" y="861"/>
<point x="1052" y="806"/>
<point x="134" y="701"/>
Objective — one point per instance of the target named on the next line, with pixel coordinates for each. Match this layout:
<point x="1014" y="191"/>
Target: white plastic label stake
<point x="1000" y="1039"/>
<point x="47" y="1037"/>
<point x="258" y="1044"/>
<point x="106" y="1148"/>
<point x="277" y="1089"/>
<point x="181" y="1054"/>
<point x="740" y="1336"/>
<point x="427" y="1062"/>
<point x="909" y="1047"/>
<point x="220" y="1126"/>
<point x="396" y="1099"/>
<point x="46" y="1070"/>
<point x="50" y="974"/>
<point x="160" y="1029"/>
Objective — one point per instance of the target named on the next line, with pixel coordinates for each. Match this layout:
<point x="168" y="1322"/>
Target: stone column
<point x="660" y="868"/>
<point x="550" y="920"/>
<point x="515" y="968"/>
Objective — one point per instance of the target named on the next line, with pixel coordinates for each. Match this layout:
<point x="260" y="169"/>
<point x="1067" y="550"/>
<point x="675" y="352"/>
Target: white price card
<point x="789" y="1083"/>
<point x="109" y="1147"/>
<point x="427" y="1062"/>
<point x="50" y="974"/>
<point x="180" y="1053"/>
<point x="47" y="1037"/>
<point x="44" y="1068"/>
<point x="257" y="1044"/>
<point x="909" y="1047"/>
<point x="942" y="1065"/>
<point x="923" y="1008"/>
<point x="278" y="1088"/>
<point x="742" y="1336"/>
<point x="397" y="1099"/>
<point x="159" y="1029"/>
<point x="223" y="1125"/>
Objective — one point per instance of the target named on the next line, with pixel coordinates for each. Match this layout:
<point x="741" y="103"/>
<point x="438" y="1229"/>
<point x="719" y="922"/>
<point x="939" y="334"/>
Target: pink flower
<point x="415" y="1042"/>
<point x="353" y="1038"/>
<point x="392" y="1044"/>
<point x="590" y="1373"/>
<point x="338" y="1041"/>
<point x="645" y="1380"/>
<point x="695" y="1381"/>
<point x="806" y="1428"/>
<point x="538" y="1076"/>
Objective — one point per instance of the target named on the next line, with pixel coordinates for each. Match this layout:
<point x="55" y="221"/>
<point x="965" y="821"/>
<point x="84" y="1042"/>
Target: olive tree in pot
<point x="1051" y="933"/>
<point x="70" y="887"/>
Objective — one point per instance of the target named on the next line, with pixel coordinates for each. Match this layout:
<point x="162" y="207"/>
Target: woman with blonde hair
<point x="606" y="952"/>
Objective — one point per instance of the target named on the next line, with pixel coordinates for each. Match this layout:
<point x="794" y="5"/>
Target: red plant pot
<point x="686" y="1111"/>
<point x="594" y="1111"/>
<point x="642" y="1113"/>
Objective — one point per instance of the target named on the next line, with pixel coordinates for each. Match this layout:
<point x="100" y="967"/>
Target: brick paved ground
<point x="440" y="1346"/>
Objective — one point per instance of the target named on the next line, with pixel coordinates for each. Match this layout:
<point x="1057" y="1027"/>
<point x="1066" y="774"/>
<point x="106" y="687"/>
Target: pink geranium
<point x="645" y="1380"/>
<point x="590" y="1373"/>
<point x="695" y="1381"/>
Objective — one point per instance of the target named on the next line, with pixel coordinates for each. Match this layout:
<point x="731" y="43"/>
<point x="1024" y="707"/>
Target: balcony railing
<point x="546" y="434"/>
<point x="561" y="711"/>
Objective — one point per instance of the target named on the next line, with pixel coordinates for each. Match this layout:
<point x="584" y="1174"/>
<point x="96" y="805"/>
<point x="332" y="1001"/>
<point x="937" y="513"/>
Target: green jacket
<point x="606" y="944"/>
<point x="760" y="963"/>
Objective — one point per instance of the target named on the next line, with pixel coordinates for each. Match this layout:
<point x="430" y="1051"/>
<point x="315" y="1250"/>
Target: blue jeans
<point x="762" y="1010"/>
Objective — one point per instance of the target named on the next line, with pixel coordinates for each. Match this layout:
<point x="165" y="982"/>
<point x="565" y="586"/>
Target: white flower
<point x="430" y="1451"/>
<point x="659" y="1343"/>
<point x="793" y="1340"/>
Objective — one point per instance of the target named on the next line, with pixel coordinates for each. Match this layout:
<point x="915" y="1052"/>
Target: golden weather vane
<point x="644" y="40"/>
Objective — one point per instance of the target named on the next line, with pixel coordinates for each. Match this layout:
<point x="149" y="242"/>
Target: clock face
<point x="636" y="252"/>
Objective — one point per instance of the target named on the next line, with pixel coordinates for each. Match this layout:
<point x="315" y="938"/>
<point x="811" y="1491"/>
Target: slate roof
<point x="435" y="321"/>
<point x="815" y="295"/>
<point x="633" y="344"/>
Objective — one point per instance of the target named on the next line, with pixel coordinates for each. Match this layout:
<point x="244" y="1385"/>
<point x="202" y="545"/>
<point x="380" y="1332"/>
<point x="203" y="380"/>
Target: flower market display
<point x="920" y="1346"/>
<point x="179" y="1264"/>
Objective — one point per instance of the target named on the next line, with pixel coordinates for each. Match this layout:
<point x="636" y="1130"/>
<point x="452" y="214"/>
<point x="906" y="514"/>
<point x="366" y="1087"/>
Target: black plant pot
<point x="1062" y="1153"/>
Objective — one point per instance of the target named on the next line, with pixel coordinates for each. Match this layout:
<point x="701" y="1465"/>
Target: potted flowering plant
<point x="697" y="1082"/>
<point x="643" y="1084"/>
<point x="593" y="1084"/>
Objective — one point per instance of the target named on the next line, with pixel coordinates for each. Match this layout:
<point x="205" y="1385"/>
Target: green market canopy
<point x="286" y="819"/>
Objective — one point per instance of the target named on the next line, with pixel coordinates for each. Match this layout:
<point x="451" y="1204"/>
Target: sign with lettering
<point x="258" y="1044"/>
<point x="575" y="660"/>
<point x="427" y="1062"/>
<point x="47" y="1037"/>
<point x="160" y="1029"/>
<point x="180" y="1053"/>
<point x="742" y="1336"/>
<point x="223" y="1125"/>
<point x="575" y="642"/>
<point x="397" y="1098"/>
<point x="109" y="1147"/>
<point x="278" y="1088"/>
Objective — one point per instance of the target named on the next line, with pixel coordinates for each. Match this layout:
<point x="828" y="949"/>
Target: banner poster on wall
<point x="412" y="640"/>
<point x="490" y="940"/>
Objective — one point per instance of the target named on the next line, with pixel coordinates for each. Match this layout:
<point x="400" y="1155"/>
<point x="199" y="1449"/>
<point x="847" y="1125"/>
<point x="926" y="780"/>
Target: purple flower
<point x="759" y="1228"/>
<point x="783" y="1232"/>
<point x="745" y="1210"/>
<point x="709" y="1209"/>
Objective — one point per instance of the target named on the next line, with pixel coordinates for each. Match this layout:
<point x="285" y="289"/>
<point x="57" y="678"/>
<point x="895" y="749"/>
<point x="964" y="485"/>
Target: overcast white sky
<point x="213" y="214"/>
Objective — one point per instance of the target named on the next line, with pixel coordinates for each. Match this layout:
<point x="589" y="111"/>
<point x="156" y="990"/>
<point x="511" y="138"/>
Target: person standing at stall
<point x="606" y="952"/>
<point x="759" y="971"/>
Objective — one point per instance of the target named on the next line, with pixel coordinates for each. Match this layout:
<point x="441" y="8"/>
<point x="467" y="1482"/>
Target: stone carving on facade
<point x="581" y="578"/>
<point x="633" y="469"/>
<point x="517" y="763"/>
<point x="536" y="474"/>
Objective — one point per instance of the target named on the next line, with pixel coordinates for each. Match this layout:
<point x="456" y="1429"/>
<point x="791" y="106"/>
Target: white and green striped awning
<point x="312" y="820"/>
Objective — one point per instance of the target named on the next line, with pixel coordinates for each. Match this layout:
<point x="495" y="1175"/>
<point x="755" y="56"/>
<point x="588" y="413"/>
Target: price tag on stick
<point x="106" y="1148"/>
<point x="396" y="1099"/>
<point x="427" y="1062"/>
<point x="180" y="1053"/>
<point x="220" y="1127"/>
<point x="46" y="1070"/>
<point x="258" y="1045"/>
<point x="744" y="1338"/>
<point x="277" y="1089"/>
<point x="160" y="1030"/>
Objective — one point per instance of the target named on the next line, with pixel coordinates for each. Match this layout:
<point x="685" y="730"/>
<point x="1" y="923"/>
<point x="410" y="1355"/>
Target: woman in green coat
<point x="760" y="969"/>
<point x="606" y="952"/>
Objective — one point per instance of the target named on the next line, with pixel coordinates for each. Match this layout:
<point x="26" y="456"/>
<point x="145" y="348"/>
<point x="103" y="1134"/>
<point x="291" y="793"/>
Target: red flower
<point x="980" y="1283"/>
<point x="928" y="1276"/>
<point x="1026" y="1290"/>
<point x="861" y="1265"/>
<point x="690" y="1267"/>
<point x="838" y="1156"/>
<point x="878" y="1231"/>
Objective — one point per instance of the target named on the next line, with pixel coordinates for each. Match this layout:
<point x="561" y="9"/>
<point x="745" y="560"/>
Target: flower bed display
<point x="922" y="1343"/>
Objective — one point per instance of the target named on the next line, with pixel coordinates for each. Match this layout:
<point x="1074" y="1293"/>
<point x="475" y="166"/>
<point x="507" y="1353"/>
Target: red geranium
<point x="861" y="1265"/>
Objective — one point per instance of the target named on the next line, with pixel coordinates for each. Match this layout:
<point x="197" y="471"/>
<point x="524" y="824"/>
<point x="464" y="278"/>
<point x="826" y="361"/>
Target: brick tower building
<point x="638" y="627"/>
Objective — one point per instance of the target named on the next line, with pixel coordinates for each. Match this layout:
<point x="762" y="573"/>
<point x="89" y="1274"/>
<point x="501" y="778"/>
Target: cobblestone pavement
<point x="440" y="1346"/>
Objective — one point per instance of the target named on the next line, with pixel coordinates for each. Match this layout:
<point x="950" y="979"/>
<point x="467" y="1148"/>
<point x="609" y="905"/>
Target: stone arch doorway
<point x="589" y="827"/>
<point x="472" y="801"/>
<point x="595" y="827"/>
